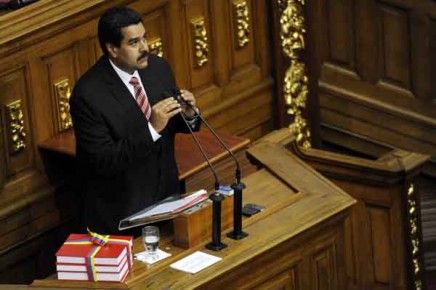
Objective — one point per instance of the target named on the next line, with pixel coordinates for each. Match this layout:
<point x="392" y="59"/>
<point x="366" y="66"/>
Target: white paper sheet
<point x="195" y="262"/>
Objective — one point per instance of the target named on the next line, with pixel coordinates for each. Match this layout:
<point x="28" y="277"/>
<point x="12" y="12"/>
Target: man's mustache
<point x="143" y="55"/>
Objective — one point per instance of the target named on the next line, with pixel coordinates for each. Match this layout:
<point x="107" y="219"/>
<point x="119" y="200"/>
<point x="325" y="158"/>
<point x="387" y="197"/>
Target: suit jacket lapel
<point x="119" y="90"/>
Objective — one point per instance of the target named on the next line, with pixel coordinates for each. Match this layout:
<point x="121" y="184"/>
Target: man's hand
<point x="162" y="112"/>
<point x="190" y="99"/>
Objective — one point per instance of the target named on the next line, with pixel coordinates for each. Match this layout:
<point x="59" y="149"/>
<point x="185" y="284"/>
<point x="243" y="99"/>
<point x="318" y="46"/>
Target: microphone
<point x="237" y="187"/>
<point x="216" y="197"/>
<point x="177" y="92"/>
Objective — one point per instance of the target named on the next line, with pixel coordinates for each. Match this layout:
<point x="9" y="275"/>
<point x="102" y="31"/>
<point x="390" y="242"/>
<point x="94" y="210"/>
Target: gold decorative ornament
<point x="295" y="86"/>
<point x="156" y="47"/>
<point x="17" y="132"/>
<point x="242" y="19"/>
<point x="199" y="37"/>
<point x="63" y="94"/>
<point x="414" y="236"/>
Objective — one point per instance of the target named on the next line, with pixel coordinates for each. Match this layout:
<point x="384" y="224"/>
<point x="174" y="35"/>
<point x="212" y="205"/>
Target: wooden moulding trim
<point x="387" y="165"/>
<point x="388" y="170"/>
<point x="377" y="105"/>
<point x="38" y="16"/>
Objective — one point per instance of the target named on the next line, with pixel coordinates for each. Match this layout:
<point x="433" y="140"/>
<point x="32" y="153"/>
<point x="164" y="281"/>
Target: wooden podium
<point x="384" y="244"/>
<point x="296" y="243"/>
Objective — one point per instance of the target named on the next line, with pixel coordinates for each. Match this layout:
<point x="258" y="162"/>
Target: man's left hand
<point x="188" y="110"/>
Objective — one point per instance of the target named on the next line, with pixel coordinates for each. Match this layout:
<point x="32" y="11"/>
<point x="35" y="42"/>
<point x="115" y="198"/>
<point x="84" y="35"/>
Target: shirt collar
<point x="124" y="76"/>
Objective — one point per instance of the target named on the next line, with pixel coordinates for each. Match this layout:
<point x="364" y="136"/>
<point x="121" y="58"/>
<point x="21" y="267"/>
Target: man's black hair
<point x="111" y="22"/>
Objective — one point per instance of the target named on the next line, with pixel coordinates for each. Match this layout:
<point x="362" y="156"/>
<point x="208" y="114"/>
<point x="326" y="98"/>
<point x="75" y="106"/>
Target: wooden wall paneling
<point x="377" y="244"/>
<point x="380" y="236"/>
<point x="221" y="32"/>
<point x="404" y="133"/>
<point x="421" y="67"/>
<point x="286" y="280"/>
<point x="245" y="111"/>
<point x="242" y="42"/>
<point x="178" y="53"/>
<point x="157" y="32"/>
<point x="62" y="71"/>
<point x="366" y="41"/>
<point x="3" y="171"/>
<point x="17" y="133"/>
<point x="394" y="65"/>
<point x="431" y="60"/>
<point x="95" y="49"/>
<point x="388" y="95"/>
<point x="262" y="38"/>
<point x="340" y="40"/>
<point x="323" y="269"/>
<point x="199" y="39"/>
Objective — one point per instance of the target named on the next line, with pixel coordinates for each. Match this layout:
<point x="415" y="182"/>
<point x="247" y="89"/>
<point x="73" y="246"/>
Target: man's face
<point x="133" y="51"/>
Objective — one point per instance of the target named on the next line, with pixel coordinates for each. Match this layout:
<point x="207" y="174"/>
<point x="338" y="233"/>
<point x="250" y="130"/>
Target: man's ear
<point x="112" y="49"/>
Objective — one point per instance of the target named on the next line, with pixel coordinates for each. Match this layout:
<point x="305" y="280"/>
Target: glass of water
<point x="150" y="238"/>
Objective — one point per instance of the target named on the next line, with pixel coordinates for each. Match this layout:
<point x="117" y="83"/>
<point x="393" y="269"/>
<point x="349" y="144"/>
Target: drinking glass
<point x="150" y="238"/>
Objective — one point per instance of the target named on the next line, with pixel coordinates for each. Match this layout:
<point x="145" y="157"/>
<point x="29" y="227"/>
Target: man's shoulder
<point x="93" y="77"/>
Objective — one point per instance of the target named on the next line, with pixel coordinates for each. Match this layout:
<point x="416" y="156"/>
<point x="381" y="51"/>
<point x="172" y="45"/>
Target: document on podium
<point x="167" y="208"/>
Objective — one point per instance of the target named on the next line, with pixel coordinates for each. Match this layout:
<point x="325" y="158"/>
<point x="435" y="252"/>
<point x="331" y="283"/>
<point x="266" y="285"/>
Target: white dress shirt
<point x="126" y="77"/>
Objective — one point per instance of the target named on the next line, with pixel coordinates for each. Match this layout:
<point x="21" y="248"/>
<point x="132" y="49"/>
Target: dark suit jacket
<point x="122" y="169"/>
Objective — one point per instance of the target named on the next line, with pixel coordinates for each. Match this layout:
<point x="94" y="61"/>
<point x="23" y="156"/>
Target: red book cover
<point x="77" y="249"/>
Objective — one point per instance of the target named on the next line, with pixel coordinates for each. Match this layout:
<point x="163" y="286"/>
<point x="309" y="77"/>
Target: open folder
<point x="165" y="209"/>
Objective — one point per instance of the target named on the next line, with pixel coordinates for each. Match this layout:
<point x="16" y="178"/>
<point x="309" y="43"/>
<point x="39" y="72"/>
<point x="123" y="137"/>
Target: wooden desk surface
<point x="188" y="156"/>
<point x="305" y="235"/>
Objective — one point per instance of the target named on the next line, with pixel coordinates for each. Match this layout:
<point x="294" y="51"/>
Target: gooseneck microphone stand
<point x="237" y="186"/>
<point x="216" y="198"/>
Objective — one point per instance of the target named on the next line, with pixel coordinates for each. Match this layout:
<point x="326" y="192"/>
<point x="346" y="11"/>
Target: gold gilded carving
<point x="16" y="126"/>
<point x="242" y="20"/>
<point x="63" y="94"/>
<point x="295" y="87"/>
<point x="156" y="47"/>
<point x="414" y="236"/>
<point x="199" y="36"/>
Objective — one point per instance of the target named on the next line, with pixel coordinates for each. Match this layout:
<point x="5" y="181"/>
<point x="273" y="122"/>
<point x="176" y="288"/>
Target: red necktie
<point x="141" y="97"/>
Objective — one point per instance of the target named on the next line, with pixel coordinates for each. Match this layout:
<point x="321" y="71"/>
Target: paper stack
<point x="80" y="259"/>
<point x="165" y="209"/>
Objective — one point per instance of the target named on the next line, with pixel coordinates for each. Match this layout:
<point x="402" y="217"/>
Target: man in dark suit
<point x="125" y="121"/>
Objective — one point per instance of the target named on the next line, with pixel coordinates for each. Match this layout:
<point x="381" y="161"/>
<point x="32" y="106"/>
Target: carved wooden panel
<point x="432" y="57"/>
<point x="287" y="280"/>
<point x="199" y="43"/>
<point x="324" y="263"/>
<point x="394" y="46"/>
<point x="2" y="152"/>
<point x="157" y="32"/>
<point x="62" y="71"/>
<point x="340" y="42"/>
<point x="380" y="237"/>
<point x="242" y="31"/>
<point x="17" y="137"/>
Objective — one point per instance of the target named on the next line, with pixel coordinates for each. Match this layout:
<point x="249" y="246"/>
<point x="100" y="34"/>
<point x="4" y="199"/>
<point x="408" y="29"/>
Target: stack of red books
<point x="80" y="259"/>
